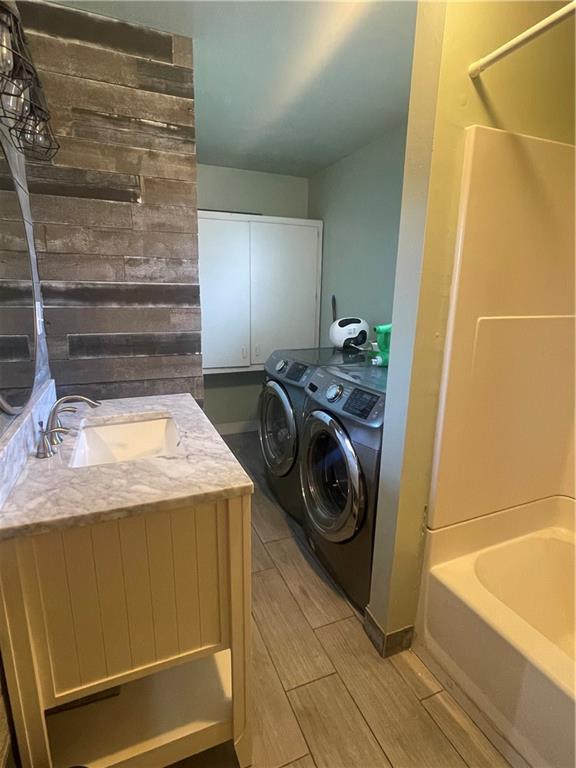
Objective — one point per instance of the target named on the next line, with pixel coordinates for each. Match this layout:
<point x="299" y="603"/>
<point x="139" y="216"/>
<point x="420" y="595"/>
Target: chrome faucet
<point x="45" y="449"/>
<point x="54" y="429"/>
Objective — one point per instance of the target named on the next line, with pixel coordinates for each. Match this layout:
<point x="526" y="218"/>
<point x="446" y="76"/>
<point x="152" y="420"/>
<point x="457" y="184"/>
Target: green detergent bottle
<point x="383" y="333"/>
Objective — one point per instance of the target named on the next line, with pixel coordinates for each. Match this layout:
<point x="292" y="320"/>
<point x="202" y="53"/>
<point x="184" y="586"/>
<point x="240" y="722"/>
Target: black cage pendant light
<point x="23" y="108"/>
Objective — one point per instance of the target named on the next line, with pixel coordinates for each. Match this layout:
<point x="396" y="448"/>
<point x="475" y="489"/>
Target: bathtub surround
<point x="496" y="609"/>
<point x="505" y="432"/>
<point x="115" y="214"/>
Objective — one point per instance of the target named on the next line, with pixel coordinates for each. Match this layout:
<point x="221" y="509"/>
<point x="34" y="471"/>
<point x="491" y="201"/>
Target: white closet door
<point x="285" y="268"/>
<point x="224" y="260"/>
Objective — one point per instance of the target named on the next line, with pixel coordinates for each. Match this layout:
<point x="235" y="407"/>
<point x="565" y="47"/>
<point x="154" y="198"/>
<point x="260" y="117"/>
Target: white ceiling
<point x="287" y="87"/>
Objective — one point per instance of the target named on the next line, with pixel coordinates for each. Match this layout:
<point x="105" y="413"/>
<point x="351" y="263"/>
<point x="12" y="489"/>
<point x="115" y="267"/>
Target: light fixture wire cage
<point x="23" y="107"/>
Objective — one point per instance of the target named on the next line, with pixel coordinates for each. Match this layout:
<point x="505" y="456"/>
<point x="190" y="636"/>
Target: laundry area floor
<point x="323" y="697"/>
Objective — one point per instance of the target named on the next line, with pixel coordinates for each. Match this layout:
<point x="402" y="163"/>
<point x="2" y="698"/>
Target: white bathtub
<point x="499" y="619"/>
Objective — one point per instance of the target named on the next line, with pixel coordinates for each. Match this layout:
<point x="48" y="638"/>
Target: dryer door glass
<point x="330" y="473"/>
<point x="331" y="478"/>
<point x="277" y="429"/>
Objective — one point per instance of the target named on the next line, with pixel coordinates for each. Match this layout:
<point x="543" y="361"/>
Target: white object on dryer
<point x="349" y="331"/>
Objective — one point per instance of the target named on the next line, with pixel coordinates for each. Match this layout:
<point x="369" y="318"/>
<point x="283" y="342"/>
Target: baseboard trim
<point x="387" y="644"/>
<point x="374" y="631"/>
<point x="235" y="427"/>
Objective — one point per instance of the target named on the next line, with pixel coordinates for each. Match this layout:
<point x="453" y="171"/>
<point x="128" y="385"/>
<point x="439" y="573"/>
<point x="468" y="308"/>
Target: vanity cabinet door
<point x="224" y="258"/>
<point x="118" y="599"/>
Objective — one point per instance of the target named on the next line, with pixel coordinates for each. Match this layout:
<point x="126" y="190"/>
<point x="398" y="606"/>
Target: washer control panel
<point x="334" y="392"/>
<point x="360" y="403"/>
<point x="281" y="367"/>
<point x="346" y="398"/>
<point x="296" y="372"/>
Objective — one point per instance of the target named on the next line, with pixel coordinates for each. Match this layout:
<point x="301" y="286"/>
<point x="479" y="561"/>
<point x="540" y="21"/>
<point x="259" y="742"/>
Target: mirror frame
<point x="16" y="164"/>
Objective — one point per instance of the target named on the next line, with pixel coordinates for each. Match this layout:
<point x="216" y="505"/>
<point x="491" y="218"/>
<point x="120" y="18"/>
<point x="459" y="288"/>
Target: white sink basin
<point x="142" y="438"/>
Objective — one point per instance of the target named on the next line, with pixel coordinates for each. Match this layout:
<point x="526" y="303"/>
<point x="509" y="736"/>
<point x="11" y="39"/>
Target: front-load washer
<point x="280" y="411"/>
<point x="339" y="467"/>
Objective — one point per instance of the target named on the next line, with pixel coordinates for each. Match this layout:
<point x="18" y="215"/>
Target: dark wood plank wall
<point x="115" y="214"/>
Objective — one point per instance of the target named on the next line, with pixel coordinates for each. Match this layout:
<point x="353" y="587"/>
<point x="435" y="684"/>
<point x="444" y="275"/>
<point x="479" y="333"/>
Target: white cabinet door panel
<point x="284" y="287"/>
<point x="224" y="260"/>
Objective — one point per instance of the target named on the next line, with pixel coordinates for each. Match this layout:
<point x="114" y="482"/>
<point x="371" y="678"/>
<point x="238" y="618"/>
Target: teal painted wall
<point x="232" y="397"/>
<point x="359" y="199"/>
<point x="239" y="191"/>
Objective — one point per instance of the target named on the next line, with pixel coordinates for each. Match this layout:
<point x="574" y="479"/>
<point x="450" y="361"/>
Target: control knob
<point x="334" y="392"/>
<point x="281" y="366"/>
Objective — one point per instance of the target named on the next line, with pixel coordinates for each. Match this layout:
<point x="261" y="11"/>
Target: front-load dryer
<point x="339" y="468"/>
<point x="280" y="411"/>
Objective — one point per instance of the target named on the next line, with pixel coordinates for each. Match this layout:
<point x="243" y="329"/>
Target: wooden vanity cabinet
<point x="126" y="642"/>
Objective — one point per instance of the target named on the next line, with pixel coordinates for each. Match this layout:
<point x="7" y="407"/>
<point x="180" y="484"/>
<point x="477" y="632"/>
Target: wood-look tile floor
<point x="323" y="696"/>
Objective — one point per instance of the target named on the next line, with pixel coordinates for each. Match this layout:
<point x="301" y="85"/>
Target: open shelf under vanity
<point x="163" y="717"/>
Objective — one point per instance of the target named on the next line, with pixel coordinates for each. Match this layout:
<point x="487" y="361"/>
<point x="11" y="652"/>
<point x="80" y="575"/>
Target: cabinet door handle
<point x="244" y="353"/>
<point x="257" y="350"/>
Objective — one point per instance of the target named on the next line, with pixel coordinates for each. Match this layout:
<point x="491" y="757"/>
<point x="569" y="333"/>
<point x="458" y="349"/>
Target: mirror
<point x="17" y="288"/>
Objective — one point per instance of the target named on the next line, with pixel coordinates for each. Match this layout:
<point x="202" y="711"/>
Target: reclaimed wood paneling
<point x="63" y="91"/>
<point x="88" y="371"/>
<point x="45" y="179"/>
<point x="80" y="267"/>
<point x="127" y="131"/>
<point x="169" y="191"/>
<point x="132" y="344"/>
<point x="69" y="210"/>
<point x="182" y="51"/>
<point x="62" y="320"/>
<point x="86" y="266"/>
<point x="138" y="388"/>
<point x="56" y="238"/>
<point x="16" y="320"/>
<point x="72" y="58"/>
<point x="14" y="265"/>
<point x="165" y="218"/>
<point x="15" y="293"/>
<point x="63" y="23"/>
<point x="70" y="294"/>
<point x="13" y="237"/>
<point x="14" y="348"/>
<point x="115" y="212"/>
<point x="16" y="374"/>
<point x="161" y="270"/>
<point x="122" y="159"/>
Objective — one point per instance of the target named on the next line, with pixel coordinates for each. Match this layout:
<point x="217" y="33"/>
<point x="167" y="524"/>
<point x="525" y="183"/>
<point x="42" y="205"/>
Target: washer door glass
<point x="331" y="478"/>
<point x="277" y="429"/>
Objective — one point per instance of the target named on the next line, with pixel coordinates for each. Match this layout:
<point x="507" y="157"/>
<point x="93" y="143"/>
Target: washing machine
<point x="280" y="411"/>
<point x="340" y="454"/>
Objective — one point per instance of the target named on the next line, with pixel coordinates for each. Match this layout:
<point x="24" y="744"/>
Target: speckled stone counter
<point x="50" y="494"/>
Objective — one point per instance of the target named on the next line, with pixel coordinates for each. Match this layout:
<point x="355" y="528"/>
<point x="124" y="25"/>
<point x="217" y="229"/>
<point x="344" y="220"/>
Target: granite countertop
<point x="50" y="494"/>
